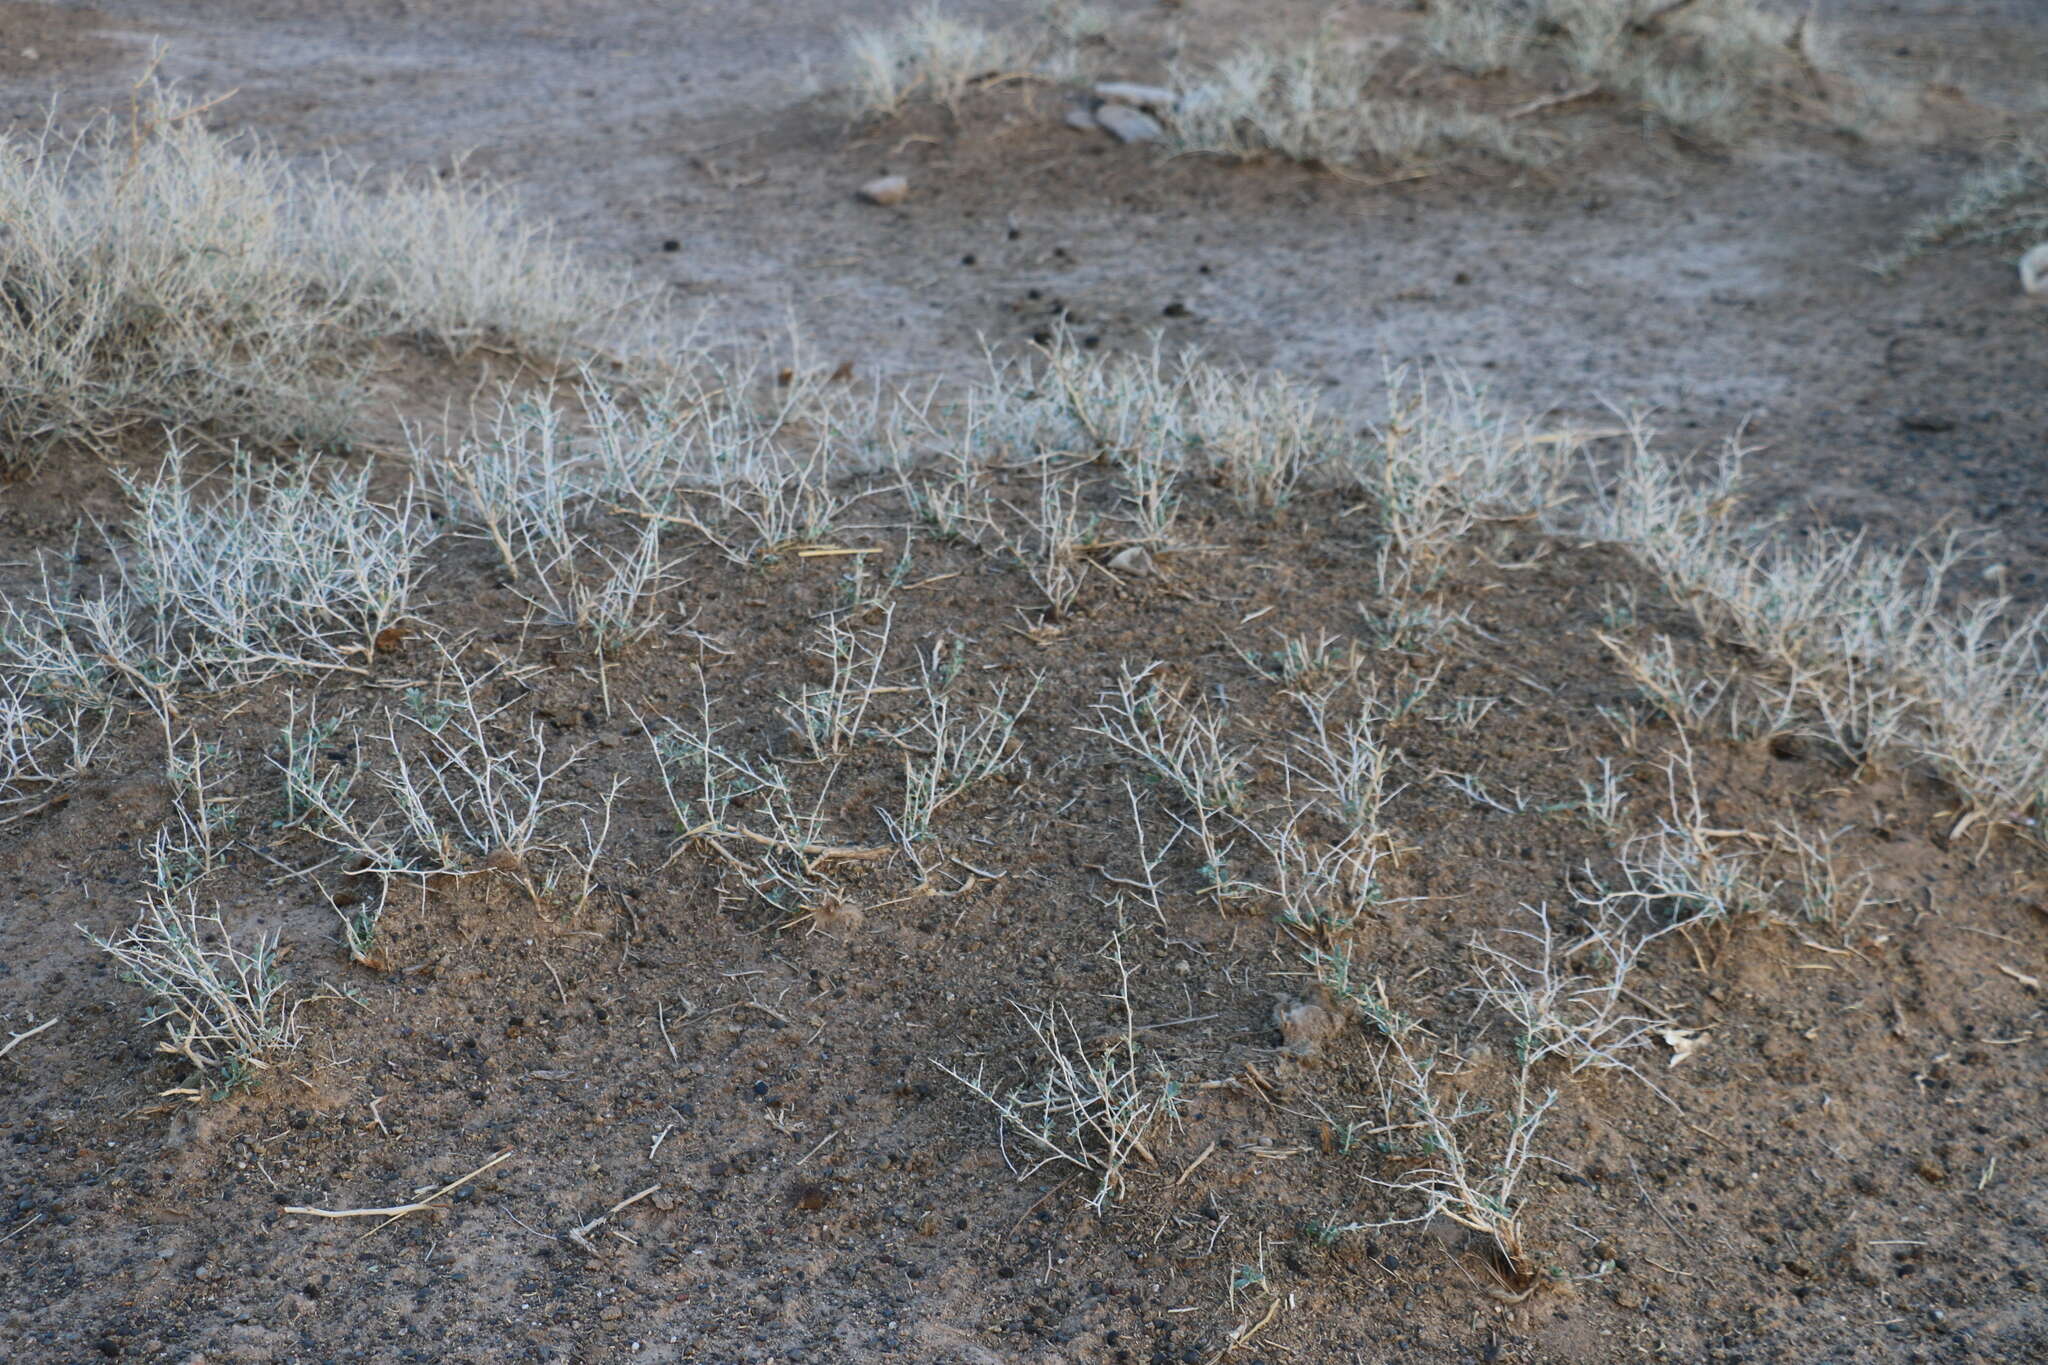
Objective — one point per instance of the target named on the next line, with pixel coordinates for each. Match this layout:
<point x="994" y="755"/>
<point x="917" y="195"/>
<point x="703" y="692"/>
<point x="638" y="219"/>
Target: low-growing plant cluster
<point x="1707" y="69"/>
<point x="1271" y="777"/>
<point x="156" y="273"/>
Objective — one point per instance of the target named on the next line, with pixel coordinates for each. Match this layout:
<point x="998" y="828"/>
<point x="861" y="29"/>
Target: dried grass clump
<point x="1864" y="645"/>
<point x="1157" y="422"/>
<point x="155" y="273"/>
<point x="1087" y="1103"/>
<point x="44" y="742"/>
<point x="1314" y="103"/>
<point x="2004" y="202"/>
<point x="927" y="55"/>
<point x="265" y="571"/>
<point x="227" y="1007"/>
<point x="1706" y="67"/>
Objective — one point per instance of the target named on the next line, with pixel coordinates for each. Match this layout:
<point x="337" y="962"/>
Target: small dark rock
<point x="1791" y="747"/>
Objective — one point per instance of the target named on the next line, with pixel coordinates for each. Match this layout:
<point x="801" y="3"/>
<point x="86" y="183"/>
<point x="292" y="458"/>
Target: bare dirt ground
<point x="1850" y="1169"/>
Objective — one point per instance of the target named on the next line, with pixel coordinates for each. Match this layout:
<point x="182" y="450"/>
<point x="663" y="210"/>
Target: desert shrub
<point x="926" y="55"/>
<point x="155" y="273"/>
<point x="1868" y="644"/>
<point x="266" y="571"/>
<point x="1313" y="103"/>
<point x="1703" y="66"/>
<point x="2003" y="201"/>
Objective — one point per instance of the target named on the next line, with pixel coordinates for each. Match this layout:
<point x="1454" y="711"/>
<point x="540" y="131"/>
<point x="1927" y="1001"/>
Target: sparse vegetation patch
<point x="155" y="273"/>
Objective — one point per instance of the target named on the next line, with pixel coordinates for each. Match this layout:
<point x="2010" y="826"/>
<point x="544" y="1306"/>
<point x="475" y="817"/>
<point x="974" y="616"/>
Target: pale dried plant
<point x="948" y="495"/>
<point x="272" y="569"/>
<point x="539" y="468"/>
<point x="453" y="790"/>
<point x="1686" y="869"/>
<point x="1862" y="645"/>
<point x="1185" y="743"/>
<point x="255" y="572"/>
<point x="746" y="811"/>
<point x="1323" y="889"/>
<point x="1300" y="663"/>
<point x="1568" y="993"/>
<point x="510" y="480"/>
<point x="1346" y="764"/>
<point x="1090" y="1102"/>
<point x="1822" y="889"/>
<point x="161" y="274"/>
<point x="1472" y="1158"/>
<point x="1443" y="460"/>
<point x="947" y="749"/>
<point x="927" y="55"/>
<point x="1258" y="435"/>
<point x="2004" y="200"/>
<point x="1986" y="680"/>
<point x="1316" y="102"/>
<point x="1158" y="421"/>
<point x="45" y="743"/>
<point x="781" y="502"/>
<point x="226" y="1005"/>
<point x="1186" y="746"/>
<point x="827" y="718"/>
<point x="1706" y="67"/>
<point x="1057" y="533"/>
<point x="471" y="798"/>
<point x="1478" y="1190"/>
<point x="1686" y="697"/>
<point x="611" y="598"/>
<point x="1606" y="799"/>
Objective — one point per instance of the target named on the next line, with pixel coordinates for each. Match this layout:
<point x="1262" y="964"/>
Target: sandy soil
<point x="1853" y="1168"/>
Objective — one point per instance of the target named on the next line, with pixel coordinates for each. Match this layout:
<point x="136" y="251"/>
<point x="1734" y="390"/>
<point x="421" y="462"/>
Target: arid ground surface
<point x="1850" y="1168"/>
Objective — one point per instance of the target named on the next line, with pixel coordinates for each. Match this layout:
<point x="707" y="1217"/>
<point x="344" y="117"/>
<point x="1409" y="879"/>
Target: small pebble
<point x="1133" y="560"/>
<point x="2034" y="272"/>
<point x="886" y="190"/>
<point x="1139" y="96"/>
<point x="1305" y="1027"/>
<point x="1126" y="124"/>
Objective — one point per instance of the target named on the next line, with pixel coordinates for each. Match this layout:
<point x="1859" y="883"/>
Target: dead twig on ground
<point x="580" y="1236"/>
<point x="395" y="1212"/>
<point x="21" y="1037"/>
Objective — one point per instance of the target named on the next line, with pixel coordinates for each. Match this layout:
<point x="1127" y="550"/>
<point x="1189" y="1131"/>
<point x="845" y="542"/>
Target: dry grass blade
<point x="395" y="1212"/>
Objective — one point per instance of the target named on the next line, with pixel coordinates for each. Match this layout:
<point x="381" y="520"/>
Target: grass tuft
<point x="155" y="273"/>
<point x="926" y="55"/>
<point x="1314" y="103"/>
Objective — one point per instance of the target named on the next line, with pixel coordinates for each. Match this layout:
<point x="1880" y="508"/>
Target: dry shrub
<point x="1707" y="67"/>
<point x="926" y="55"/>
<point x="1314" y="103"/>
<point x="155" y="273"/>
